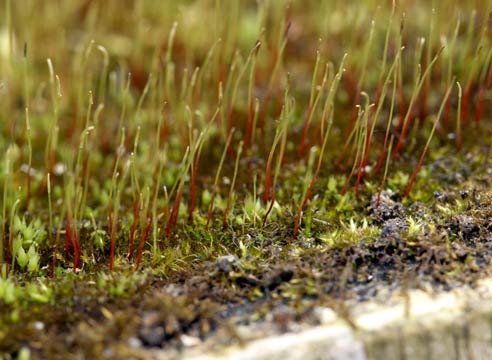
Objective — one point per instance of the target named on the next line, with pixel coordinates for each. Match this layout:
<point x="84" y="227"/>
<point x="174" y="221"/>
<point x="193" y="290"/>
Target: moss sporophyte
<point x="237" y="153"/>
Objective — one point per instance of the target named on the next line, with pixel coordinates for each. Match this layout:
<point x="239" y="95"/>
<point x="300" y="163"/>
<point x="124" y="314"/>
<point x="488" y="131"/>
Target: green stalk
<point x="231" y="189"/>
<point x="29" y="160"/>
<point x="217" y="176"/>
<point x="426" y="147"/>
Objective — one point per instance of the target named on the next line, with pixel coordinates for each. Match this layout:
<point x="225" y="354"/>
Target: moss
<point x="117" y="166"/>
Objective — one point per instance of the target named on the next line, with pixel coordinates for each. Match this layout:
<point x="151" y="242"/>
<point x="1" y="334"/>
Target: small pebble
<point x="134" y="342"/>
<point x="39" y="325"/>
<point x="226" y="263"/>
<point x="189" y="341"/>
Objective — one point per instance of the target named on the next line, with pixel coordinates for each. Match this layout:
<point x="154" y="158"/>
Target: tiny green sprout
<point x="354" y="231"/>
<point x="243" y="248"/>
<point x="253" y="209"/>
<point x="414" y="227"/>
<point x="445" y="209"/>
<point x="332" y="186"/>
<point x="29" y="258"/>
<point x="398" y="180"/>
<point x="18" y="252"/>
<point x="14" y="316"/>
<point x="33" y="256"/>
<point x="353" y="226"/>
<point x="98" y="238"/>
<point x="344" y="203"/>
<point x="32" y="233"/>
<point x="206" y="197"/>
<point x="24" y="354"/>
<point x="330" y="238"/>
<point x="39" y="292"/>
<point x="27" y="236"/>
<point x="97" y="235"/>
<point x="8" y="291"/>
<point x="120" y="285"/>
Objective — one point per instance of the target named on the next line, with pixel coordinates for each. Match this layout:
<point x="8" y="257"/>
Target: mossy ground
<point x="114" y="239"/>
<point x="274" y="285"/>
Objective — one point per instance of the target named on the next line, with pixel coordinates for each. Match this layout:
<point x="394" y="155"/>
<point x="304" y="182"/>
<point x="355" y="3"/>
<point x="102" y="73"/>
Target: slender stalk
<point x="250" y="59"/>
<point x="277" y="62"/>
<point x="231" y="189"/>
<point x="390" y="146"/>
<point x="13" y="212"/>
<point x="282" y="132"/>
<point x="426" y="147"/>
<point x="26" y="78"/>
<point x="29" y="159"/>
<point x="328" y="110"/>
<point x="252" y="112"/>
<point x="416" y="91"/>
<point x="114" y="203"/>
<point x="143" y="239"/>
<point x="255" y="121"/>
<point x="309" y="110"/>
<point x="283" y="141"/>
<point x="50" y="209"/>
<point x="217" y="176"/>
<point x="459" y="141"/>
<point x="103" y="80"/>
<point x="388" y="124"/>
<point x="373" y="120"/>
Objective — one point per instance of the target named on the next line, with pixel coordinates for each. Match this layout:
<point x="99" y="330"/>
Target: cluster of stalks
<point x="123" y="141"/>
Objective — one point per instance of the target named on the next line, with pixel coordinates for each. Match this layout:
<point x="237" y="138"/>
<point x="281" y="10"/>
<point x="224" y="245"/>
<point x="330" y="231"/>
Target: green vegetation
<point x="293" y="152"/>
